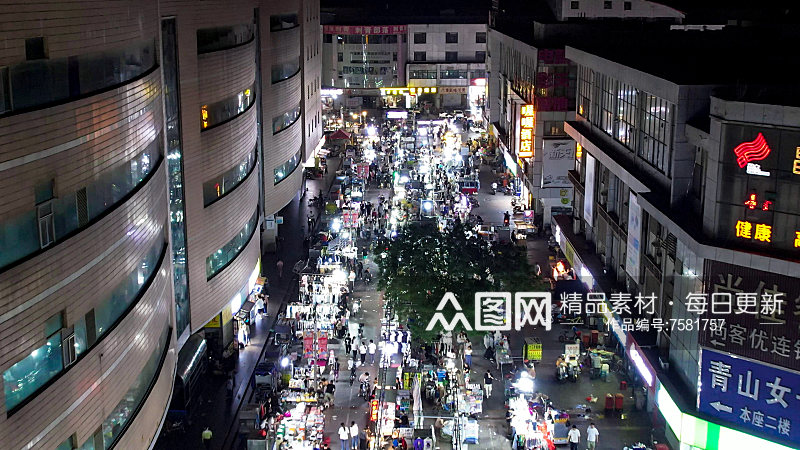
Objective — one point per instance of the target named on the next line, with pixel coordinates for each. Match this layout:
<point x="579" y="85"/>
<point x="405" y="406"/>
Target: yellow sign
<point x="797" y="239"/>
<point x="527" y="122"/>
<point x="578" y="151"/>
<point x="796" y="166"/>
<point x="408" y="91"/>
<point x="214" y="323"/>
<point x="226" y="314"/>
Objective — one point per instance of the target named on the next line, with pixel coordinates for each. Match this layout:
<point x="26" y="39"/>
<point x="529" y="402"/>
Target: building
<point x="145" y="148"/>
<point x="376" y="63"/>
<point x="685" y="190"/>
<point x="529" y="72"/>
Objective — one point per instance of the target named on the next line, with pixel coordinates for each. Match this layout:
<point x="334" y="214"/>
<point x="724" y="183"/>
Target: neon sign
<point x="752" y="203"/>
<point x="796" y="239"/>
<point x="755" y="150"/>
<point x="644" y="371"/>
<point x="527" y="122"/>
<point x="579" y="151"/>
<point x="748" y="230"/>
<point x="204" y="113"/>
<point x="796" y="166"/>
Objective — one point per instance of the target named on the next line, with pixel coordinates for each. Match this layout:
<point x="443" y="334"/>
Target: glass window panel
<point x="221" y="38"/>
<point x="224" y="110"/>
<point x="285" y="70"/>
<point x="19" y="236"/>
<point x="283" y="22"/>
<point x="226" y="182"/>
<point x="286" y="169"/>
<point x="222" y="257"/>
<point x="285" y="120"/>
<point x="25" y="377"/>
<point x="38" y="83"/>
<point x="111" y="310"/>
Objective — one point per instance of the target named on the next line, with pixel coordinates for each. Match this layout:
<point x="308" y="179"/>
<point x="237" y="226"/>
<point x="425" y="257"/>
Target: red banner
<point x="308" y="345"/>
<point x="365" y="29"/>
<point x="323" y="344"/>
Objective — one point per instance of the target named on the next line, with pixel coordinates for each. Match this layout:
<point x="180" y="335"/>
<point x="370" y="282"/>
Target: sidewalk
<point x="214" y="409"/>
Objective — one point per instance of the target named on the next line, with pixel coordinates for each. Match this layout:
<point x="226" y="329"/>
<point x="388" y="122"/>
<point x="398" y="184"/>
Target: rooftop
<point x="725" y="57"/>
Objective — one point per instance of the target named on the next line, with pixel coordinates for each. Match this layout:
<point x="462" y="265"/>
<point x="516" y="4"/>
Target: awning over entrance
<point x="339" y="134"/>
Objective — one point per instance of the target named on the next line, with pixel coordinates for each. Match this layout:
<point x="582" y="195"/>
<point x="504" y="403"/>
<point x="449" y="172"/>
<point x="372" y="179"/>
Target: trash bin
<point x="609" y="402"/>
<point x="623" y="385"/>
<point x="595" y="337"/>
<point x="618" y="402"/>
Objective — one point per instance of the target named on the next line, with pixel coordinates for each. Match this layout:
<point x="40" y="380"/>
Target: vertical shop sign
<point x="588" y="198"/>
<point x="527" y="123"/>
<point x="634" y="236"/>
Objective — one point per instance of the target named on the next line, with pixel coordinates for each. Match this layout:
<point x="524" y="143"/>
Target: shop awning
<point x="244" y="311"/>
<point x="191" y="356"/>
<point x="339" y="134"/>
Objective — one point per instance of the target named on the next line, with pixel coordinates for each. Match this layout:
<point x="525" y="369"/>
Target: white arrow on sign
<point x="717" y="343"/>
<point x="721" y="407"/>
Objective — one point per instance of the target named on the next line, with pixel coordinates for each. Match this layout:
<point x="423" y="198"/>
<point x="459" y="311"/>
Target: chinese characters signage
<point x="365" y="29"/>
<point x="761" y="313"/>
<point x="752" y="395"/>
<point x="758" y="187"/>
<point x="557" y="159"/>
<point x="527" y="123"/>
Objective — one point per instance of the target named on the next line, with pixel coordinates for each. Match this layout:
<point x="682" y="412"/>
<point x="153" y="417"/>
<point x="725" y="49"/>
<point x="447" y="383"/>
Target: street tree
<point x="421" y="265"/>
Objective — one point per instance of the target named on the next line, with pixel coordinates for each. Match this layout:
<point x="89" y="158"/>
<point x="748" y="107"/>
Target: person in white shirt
<point x="591" y="436"/>
<point x="344" y="436"/>
<point x="372" y="348"/>
<point x="574" y="438"/>
<point x="354" y="438"/>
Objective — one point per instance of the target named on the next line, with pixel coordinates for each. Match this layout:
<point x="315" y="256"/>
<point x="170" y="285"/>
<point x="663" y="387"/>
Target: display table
<point x="303" y="428"/>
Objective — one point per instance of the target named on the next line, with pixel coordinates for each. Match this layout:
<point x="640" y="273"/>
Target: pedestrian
<point x="591" y="436"/>
<point x="362" y="349"/>
<point x="330" y="388"/>
<point x="336" y="370"/>
<point x="229" y="388"/>
<point x="206" y="436"/>
<point x="360" y="269"/>
<point x="246" y="334"/>
<point x="354" y="435"/>
<point x="279" y="265"/>
<point x="468" y="355"/>
<point x="487" y="383"/>
<point x="372" y="349"/>
<point x="538" y="270"/>
<point x="348" y="343"/>
<point x="344" y="436"/>
<point x="574" y="438"/>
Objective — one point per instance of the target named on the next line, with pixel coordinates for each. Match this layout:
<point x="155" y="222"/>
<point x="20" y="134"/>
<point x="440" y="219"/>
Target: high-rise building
<point x="145" y="147"/>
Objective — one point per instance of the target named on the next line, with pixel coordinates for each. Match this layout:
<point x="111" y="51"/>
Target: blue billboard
<point x="753" y="395"/>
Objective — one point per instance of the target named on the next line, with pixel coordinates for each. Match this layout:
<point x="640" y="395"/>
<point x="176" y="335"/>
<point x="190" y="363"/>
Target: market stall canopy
<point x="339" y="134"/>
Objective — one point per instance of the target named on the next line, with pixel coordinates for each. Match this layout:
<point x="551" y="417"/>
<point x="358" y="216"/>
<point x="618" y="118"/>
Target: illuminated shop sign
<point x="527" y="122"/>
<point x="755" y="150"/>
<point x="758" y="231"/>
<point x="578" y="151"/>
<point x="365" y="29"/>
<point x="408" y="90"/>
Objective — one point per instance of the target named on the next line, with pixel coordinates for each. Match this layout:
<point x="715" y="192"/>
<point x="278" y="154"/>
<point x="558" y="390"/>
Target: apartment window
<point x="655" y="132"/>
<point x="35" y="48"/>
<point x="220" y="185"/>
<point x="394" y="56"/>
<point x="626" y="6"/>
<point x="327" y="38"/>
<point x="284" y="170"/>
<point x="47" y="234"/>
<point x="574" y="5"/>
<point x="584" y="90"/>
<point x="419" y="56"/>
<point x="480" y="37"/>
<point x="697" y="174"/>
<point x="554" y="128"/>
<point x="285" y="70"/>
<point x="340" y="56"/>
<point x="420" y="38"/>
<point x="626" y="115"/>
<point x="480" y="56"/>
<point x="607" y="5"/>
<point x="604" y="106"/>
<point x="451" y="56"/>
<point x="453" y="74"/>
<point x="451" y="38"/>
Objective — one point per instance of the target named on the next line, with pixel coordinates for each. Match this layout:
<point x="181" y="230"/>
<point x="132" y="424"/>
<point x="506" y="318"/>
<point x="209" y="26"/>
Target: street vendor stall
<point x="301" y="428"/>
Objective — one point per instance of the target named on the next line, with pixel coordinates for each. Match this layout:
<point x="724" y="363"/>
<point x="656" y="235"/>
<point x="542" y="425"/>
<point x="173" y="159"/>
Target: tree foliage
<point x="419" y="267"/>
